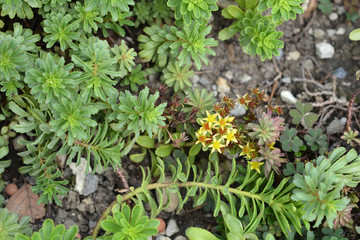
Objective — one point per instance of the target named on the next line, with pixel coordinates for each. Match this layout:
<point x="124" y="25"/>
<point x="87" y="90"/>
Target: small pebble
<point x="10" y="189"/>
<point x="172" y="228"/>
<point x="180" y="238"/>
<point x="340" y="73"/>
<point x="195" y="79"/>
<point x="341" y="10"/>
<point x="163" y="238"/>
<point x="331" y="32"/>
<point x="280" y="55"/>
<point x="296" y="30"/>
<point x="311" y="31"/>
<point x="204" y="81"/>
<point x="287" y="97"/>
<point x="222" y="85"/>
<point x="319" y="33"/>
<point x="162" y="225"/>
<point x="286" y="80"/>
<point x="245" y="78"/>
<point x="238" y="110"/>
<point x="229" y="75"/>
<point x="324" y="50"/>
<point x="309" y="65"/>
<point x="92" y="224"/>
<point x="338" y="1"/>
<point x="336" y="125"/>
<point x="17" y="146"/>
<point x="340" y="31"/>
<point x="293" y="55"/>
<point x="333" y="16"/>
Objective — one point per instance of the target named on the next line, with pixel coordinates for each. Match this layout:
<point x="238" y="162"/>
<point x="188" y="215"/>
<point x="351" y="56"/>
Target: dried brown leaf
<point x="312" y="5"/>
<point x="23" y="202"/>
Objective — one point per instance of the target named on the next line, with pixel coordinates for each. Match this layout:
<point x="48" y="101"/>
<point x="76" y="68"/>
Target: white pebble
<point x="293" y="55"/>
<point x="324" y="50"/>
<point x="333" y="16"/>
<point x="163" y="238"/>
<point x="340" y="31"/>
<point x="172" y="228"/>
<point x="319" y="34"/>
<point x="245" y="78"/>
<point x="331" y="32"/>
<point x="180" y="238"/>
<point x="287" y="97"/>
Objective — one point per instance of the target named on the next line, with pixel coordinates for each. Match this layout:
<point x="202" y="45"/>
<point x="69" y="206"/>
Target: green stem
<point x="165" y="185"/>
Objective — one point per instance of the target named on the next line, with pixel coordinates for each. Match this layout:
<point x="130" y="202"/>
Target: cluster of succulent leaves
<point x="258" y="35"/>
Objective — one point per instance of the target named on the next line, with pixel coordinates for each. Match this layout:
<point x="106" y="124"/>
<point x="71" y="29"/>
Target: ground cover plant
<point x="75" y="82"/>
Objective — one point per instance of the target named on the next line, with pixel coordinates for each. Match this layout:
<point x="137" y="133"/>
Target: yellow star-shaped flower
<point x="256" y="165"/>
<point x="223" y="122"/>
<point x="201" y="136"/>
<point x="210" y="118"/>
<point x="246" y="150"/>
<point x="216" y="145"/>
<point x="230" y="136"/>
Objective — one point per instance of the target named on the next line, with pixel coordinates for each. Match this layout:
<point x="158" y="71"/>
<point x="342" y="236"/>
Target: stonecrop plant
<point x="82" y="79"/>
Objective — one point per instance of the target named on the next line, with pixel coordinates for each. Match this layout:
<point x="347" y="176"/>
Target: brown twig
<point x="196" y="208"/>
<point x="276" y="81"/>
<point x="123" y="180"/>
<point x="306" y="28"/>
<point x="350" y="110"/>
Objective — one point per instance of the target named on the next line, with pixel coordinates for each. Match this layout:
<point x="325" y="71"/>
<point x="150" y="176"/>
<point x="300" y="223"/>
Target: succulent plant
<point x="268" y="129"/>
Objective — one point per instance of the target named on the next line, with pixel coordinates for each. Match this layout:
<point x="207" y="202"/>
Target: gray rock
<point x="229" y="75"/>
<point x="324" y="50"/>
<point x="336" y="125"/>
<point x="245" y="78"/>
<point x="293" y="55"/>
<point x="205" y="82"/>
<point x="174" y="199"/>
<point x="61" y="215"/>
<point x="92" y="224"/>
<point x="319" y="34"/>
<point x="286" y="80"/>
<point x="331" y="32"/>
<point x="340" y="73"/>
<point x="341" y="10"/>
<point x="73" y="200"/>
<point x="18" y="147"/>
<point x="340" y="31"/>
<point x="84" y="184"/>
<point x="163" y="238"/>
<point x="280" y="55"/>
<point x="180" y="238"/>
<point x="69" y="223"/>
<point x="309" y="65"/>
<point x="172" y="228"/>
<point x="238" y="110"/>
<point x="333" y="16"/>
<point x="287" y="97"/>
<point x="338" y="1"/>
<point x="195" y="79"/>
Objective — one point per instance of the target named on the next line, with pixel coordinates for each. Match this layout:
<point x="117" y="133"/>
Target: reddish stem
<point x="350" y="110"/>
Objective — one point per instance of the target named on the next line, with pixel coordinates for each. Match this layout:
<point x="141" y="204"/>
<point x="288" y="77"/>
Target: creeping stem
<point x="165" y="185"/>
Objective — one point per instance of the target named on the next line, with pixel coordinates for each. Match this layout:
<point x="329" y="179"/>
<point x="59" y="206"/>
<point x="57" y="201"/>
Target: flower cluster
<point x="254" y="139"/>
<point x="217" y="132"/>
